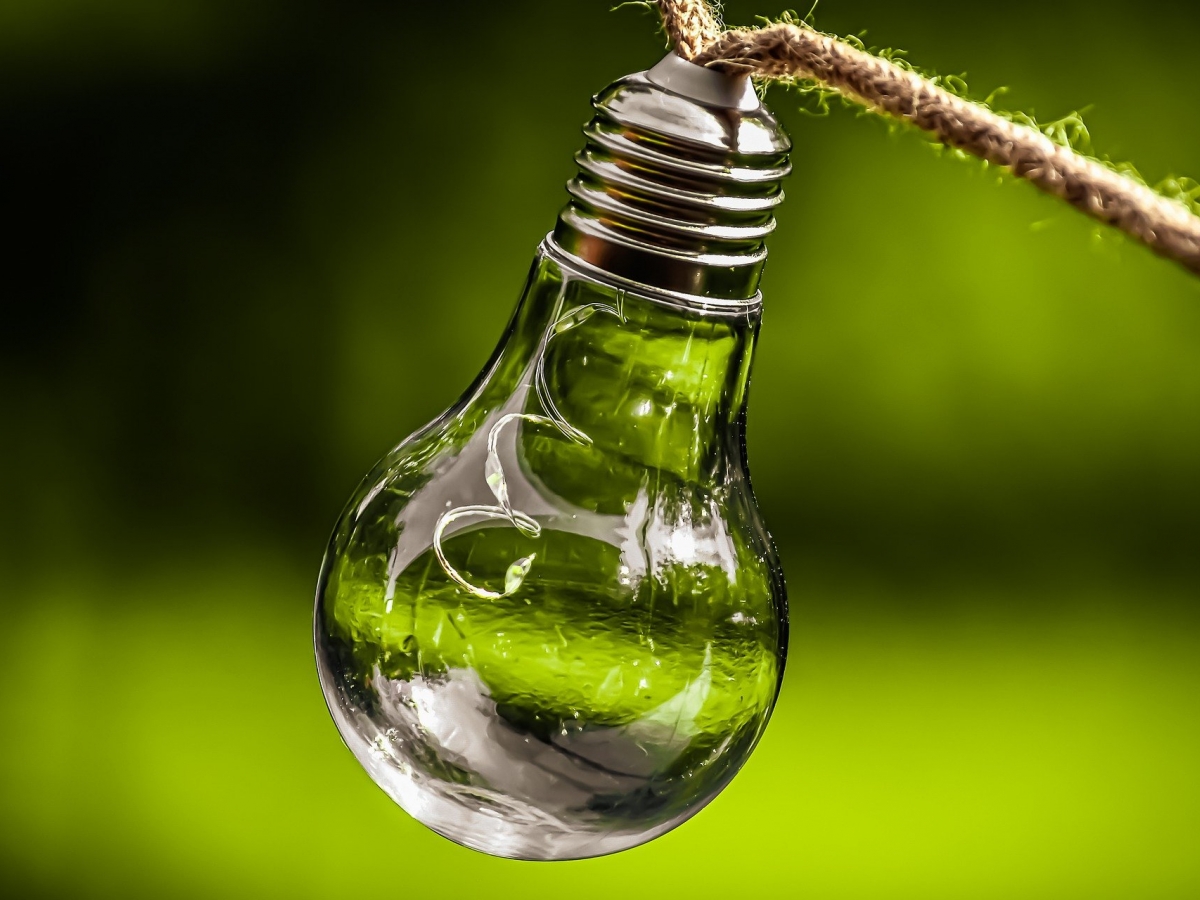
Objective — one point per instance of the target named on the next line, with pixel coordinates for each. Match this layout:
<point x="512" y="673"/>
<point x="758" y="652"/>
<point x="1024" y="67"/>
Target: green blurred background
<point x="252" y="245"/>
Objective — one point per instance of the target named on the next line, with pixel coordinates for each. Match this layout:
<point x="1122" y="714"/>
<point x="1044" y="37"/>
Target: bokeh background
<point x="252" y="245"/>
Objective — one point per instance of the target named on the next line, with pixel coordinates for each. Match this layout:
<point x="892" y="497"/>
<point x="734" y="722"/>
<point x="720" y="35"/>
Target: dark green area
<point x="253" y="245"/>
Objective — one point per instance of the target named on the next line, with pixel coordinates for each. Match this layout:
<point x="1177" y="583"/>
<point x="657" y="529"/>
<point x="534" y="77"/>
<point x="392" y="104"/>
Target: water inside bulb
<point x="551" y="624"/>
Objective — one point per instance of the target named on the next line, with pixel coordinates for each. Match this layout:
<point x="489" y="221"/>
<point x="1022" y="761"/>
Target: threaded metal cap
<point x="678" y="183"/>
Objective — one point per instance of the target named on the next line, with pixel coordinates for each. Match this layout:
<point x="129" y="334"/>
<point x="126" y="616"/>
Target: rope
<point x="691" y="25"/>
<point x="786" y="51"/>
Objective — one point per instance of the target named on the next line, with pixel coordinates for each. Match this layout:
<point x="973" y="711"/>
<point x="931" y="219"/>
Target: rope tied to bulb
<point x="788" y="50"/>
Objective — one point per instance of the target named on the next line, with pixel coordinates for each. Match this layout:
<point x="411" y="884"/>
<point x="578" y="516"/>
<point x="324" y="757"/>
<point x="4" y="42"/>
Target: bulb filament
<point x="493" y="469"/>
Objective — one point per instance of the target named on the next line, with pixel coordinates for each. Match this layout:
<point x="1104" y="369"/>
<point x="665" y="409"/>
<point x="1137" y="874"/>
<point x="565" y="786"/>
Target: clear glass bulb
<point x="551" y="624"/>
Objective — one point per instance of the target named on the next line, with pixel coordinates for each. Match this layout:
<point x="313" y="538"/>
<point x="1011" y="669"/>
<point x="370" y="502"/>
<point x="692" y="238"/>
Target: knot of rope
<point x="786" y="50"/>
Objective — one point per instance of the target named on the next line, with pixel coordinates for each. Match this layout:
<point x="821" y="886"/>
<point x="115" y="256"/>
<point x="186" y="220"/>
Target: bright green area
<point x="561" y="647"/>
<point x="167" y="738"/>
<point x="238" y="278"/>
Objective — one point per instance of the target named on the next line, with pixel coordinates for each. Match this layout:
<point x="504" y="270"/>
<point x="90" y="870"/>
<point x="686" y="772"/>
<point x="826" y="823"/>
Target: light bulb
<point x="551" y="624"/>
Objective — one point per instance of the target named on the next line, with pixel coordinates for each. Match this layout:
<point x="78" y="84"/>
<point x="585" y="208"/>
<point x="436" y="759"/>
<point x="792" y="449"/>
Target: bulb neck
<point x="677" y="184"/>
<point x="631" y="385"/>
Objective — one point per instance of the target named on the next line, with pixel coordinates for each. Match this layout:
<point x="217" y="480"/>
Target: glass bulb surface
<point x="551" y="624"/>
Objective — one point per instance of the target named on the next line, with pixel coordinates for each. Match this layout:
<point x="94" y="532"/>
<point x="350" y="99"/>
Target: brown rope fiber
<point x="786" y="50"/>
<point x="691" y="25"/>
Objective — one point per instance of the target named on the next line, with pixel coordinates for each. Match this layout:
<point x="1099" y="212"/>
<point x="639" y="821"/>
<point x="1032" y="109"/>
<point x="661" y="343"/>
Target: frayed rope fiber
<point x="786" y="50"/>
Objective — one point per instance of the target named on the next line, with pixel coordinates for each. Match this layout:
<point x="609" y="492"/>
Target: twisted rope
<point x="691" y="25"/>
<point x="787" y="51"/>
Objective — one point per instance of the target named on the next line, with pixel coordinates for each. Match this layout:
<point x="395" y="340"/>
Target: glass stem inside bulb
<point x="560" y="321"/>
<point x="661" y="391"/>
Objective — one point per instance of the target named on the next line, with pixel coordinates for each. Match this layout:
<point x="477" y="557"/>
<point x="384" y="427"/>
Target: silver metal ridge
<point x="691" y="303"/>
<point x="677" y="183"/>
